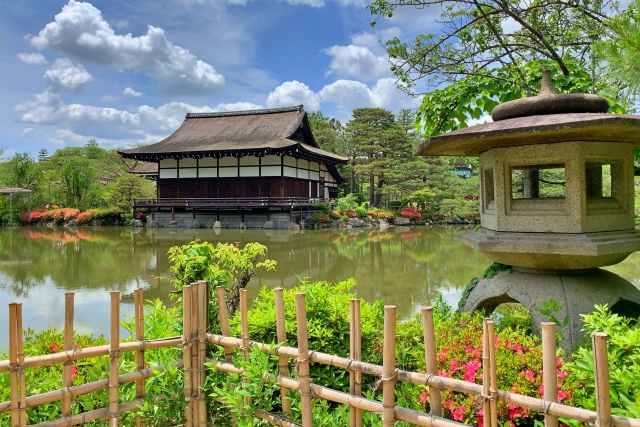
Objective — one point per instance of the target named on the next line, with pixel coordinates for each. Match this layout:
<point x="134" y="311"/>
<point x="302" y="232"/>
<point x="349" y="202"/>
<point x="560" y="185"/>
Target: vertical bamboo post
<point x="203" y="306"/>
<point x="435" y="400"/>
<point x="389" y="366"/>
<point x="13" y="363"/>
<point x="486" y="406"/>
<point x="493" y="373"/>
<point x="303" y="360"/>
<point x="138" y="302"/>
<point x="114" y="352"/>
<point x="186" y="351"/>
<point x="68" y="346"/>
<point x="23" y="385"/>
<point x="283" y="361"/>
<point x="355" y="350"/>
<point x="244" y="326"/>
<point x="601" y="368"/>
<point x="195" y="372"/>
<point x="549" y="375"/>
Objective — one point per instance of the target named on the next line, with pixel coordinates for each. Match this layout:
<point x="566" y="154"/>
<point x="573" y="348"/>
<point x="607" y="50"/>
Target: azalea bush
<point x="410" y="213"/>
<point x="361" y="212"/>
<point x="351" y="213"/>
<point x="32" y="217"/>
<point x="388" y="215"/>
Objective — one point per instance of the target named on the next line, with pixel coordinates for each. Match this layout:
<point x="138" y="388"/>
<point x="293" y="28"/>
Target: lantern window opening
<point x="598" y="179"/>
<point x="538" y="182"/>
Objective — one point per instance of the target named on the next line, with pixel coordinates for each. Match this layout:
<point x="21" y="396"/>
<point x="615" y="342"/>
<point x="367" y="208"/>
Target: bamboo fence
<point x="195" y="365"/>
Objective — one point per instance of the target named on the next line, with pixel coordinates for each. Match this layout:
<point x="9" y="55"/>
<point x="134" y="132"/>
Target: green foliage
<point x="622" y="51"/>
<point x="223" y="265"/>
<point x="322" y="207"/>
<point x="160" y="322"/>
<point x="489" y="273"/>
<point x="361" y="212"/>
<point x="126" y="187"/>
<point x="624" y="363"/>
<point x="350" y="201"/>
<point x="463" y="209"/>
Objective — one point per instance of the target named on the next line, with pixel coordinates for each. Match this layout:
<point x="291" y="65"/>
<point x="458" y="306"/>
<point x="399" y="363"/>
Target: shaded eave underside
<point x="531" y="130"/>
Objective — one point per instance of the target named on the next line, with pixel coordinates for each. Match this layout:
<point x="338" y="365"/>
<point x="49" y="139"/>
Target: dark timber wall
<point x="235" y="187"/>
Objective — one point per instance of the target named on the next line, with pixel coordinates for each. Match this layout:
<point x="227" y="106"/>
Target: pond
<point x="405" y="266"/>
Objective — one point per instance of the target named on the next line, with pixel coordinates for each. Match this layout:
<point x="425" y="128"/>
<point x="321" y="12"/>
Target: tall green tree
<point x="384" y="150"/>
<point x="485" y="51"/>
<point x="327" y="131"/>
<point x="43" y="155"/>
<point x="126" y="187"/>
<point x="621" y="52"/>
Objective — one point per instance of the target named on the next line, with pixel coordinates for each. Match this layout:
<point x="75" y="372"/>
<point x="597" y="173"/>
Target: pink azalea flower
<point x="74" y="372"/>
<point x="54" y="347"/>
<point x="424" y="397"/>
<point x="458" y="413"/>
<point x="561" y="374"/>
<point x="528" y="374"/>
<point x="563" y="395"/>
<point x="453" y="366"/>
<point x="470" y="369"/>
<point x="541" y="390"/>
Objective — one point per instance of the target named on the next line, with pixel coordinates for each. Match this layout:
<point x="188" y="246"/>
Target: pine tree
<point x="43" y="155"/>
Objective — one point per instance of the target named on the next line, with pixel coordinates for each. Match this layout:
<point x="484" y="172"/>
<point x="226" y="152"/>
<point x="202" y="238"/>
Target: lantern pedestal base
<point x="579" y="291"/>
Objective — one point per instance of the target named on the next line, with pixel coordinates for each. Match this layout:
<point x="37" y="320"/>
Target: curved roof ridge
<point x="299" y="108"/>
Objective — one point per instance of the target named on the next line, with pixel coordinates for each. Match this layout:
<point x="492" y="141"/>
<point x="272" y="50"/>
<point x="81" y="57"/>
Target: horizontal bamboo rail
<point x="90" y="352"/>
<point x="442" y="383"/>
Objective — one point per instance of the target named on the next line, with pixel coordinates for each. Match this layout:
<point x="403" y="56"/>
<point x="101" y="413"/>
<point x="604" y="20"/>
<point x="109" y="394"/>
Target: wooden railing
<point x="229" y="202"/>
<point x="196" y="364"/>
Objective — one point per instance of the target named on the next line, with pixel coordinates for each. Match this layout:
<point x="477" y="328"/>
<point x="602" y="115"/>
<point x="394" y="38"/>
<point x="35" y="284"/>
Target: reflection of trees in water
<point x="406" y="266"/>
<point x="71" y="259"/>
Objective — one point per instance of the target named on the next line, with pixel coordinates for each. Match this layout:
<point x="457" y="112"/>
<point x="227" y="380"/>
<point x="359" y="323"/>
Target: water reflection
<point x="405" y="266"/>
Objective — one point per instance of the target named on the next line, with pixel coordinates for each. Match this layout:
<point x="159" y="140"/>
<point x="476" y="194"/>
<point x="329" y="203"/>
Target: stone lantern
<point x="557" y="202"/>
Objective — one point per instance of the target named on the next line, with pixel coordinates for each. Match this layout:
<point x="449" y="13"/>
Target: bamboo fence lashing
<point x="355" y="349"/>
<point x="13" y="361"/>
<point x="244" y="327"/>
<point x="186" y="353"/>
<point x="281" y="332"/>
<point x="303" y="360"/>
<point x="601" y="368"/>
<point x="67" y="367"/>
<point x="493" y="374"/>
<point x="389" y="366"/>
<point x="114" y="361"/>
<point x="203" y="299"/>
<point x="549" y="369"/>
<point x="195" y="371"/>
<point x="138" y="302"/>
<point x="435" y="399"/>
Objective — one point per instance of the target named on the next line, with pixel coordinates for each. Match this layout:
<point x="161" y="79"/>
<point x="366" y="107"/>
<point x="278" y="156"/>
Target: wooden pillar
<point x="173" y="213"/>
<point x="193" y="213"/>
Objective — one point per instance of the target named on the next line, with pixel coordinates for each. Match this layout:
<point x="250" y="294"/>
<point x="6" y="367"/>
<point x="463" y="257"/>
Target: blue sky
<point x="126" y="73"/>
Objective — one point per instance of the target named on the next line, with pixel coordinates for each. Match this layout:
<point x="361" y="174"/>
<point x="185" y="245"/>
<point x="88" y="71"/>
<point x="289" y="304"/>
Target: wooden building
<point x="257" y="160"/>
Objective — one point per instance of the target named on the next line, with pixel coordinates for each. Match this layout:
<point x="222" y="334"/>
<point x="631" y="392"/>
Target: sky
<point x="125" y="73"/>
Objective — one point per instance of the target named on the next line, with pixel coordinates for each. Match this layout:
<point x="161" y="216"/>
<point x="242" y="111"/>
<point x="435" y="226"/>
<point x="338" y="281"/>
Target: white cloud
<point x="350" y="94"/>
<point x="109" y="98"/>
<point x="293" y="93"/>
<point x="32" y="58"/>
<point x="312" y="3"/>
<point x="132" y="93"/>
<point x="27" y="131"/>
<point x="357" y="61"/>
<point x="65" y="76"/>
<point x="80" y="31"/>
<point x="142" y="124"/>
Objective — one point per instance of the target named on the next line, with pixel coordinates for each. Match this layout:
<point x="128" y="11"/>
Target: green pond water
<point x="405" y="266"/>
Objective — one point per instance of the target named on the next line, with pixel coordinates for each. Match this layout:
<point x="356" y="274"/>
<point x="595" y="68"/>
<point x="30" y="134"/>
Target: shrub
<point x="624" y="362"/>
<point x="350" y="213"/>
<point x="350" y="201"/>
<point x="335" y="214"/>
<point x="410" y="213"/>
<point x="323" y="219"/>
<point x="70" y="214"/>
<point x="322" y="207"/>
<point x="463" y="209"/>
<point x="361" y="212"/>
<point x="84" y="218"/>
<point x="388" y="215"/>
<point x="395" y="204"/>
<point x="31" y="217"/>
<point x="373" y="214"/>
<point x="344" y="218"/>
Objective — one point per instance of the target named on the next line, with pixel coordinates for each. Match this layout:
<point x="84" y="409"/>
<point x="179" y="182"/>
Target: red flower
<point x="423" y="397"/>
<point x="54" y="347"/>
<point x="458" y="414"/>
<point x="470" y="369"/>
<point x="563" y="395"/>
<point x="528" y="374"/>
<point x="453" y="366"/>
<point x="74" y="372"/>
<point x="561" y="374"/>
